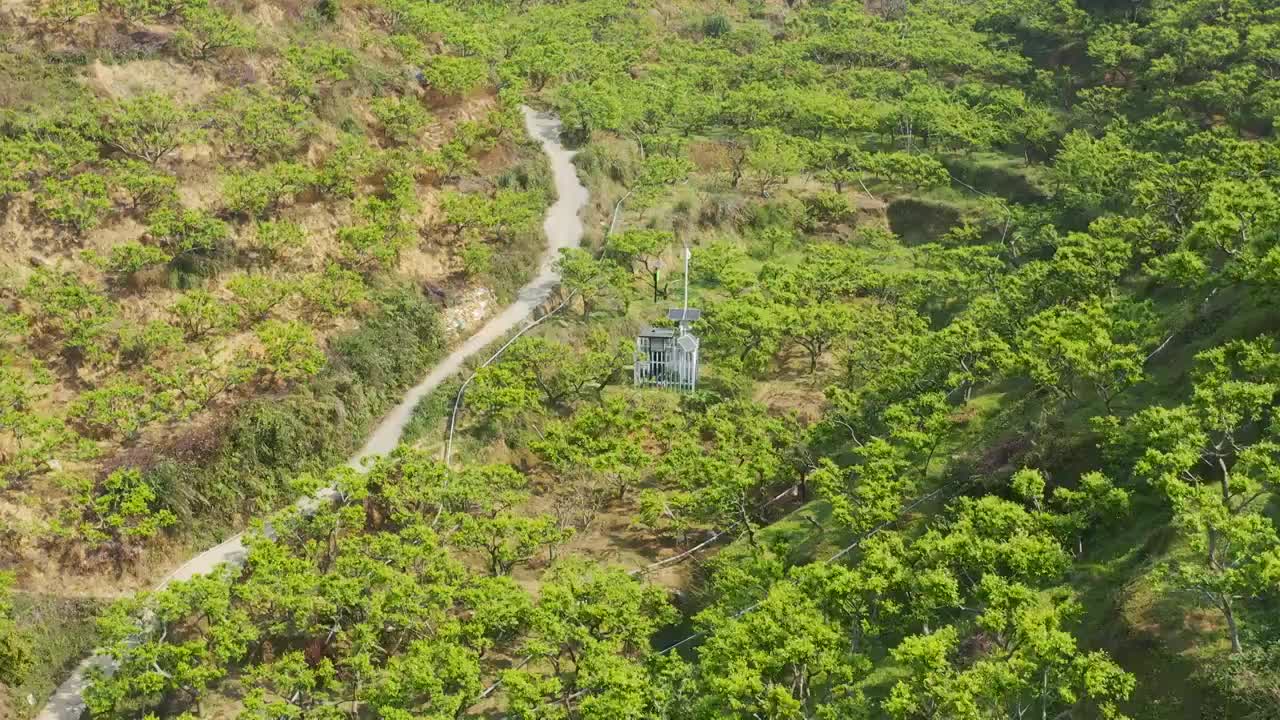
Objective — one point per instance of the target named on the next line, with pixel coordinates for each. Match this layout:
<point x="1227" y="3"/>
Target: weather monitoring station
<point x="668" y="357"/>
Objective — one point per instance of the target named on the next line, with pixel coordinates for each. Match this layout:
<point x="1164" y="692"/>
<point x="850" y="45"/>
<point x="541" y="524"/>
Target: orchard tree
<point x="206" y="31"/>
<point x="123" y="509"/>
<point x="79" y="202"/>
<point x="589" y="278"/>
<point x="507" y="539"/>
<point x="1094" y="344"/>
<point x="182" y="231"/>
<point x="258" y="294"/>
<point x="784" y="659"/>
<point x="118" y="409"/>
<point x="30" y="436"/>
<point x="583" y="607"/>
<point x="402" y="118"/>
<point x="773" y="159"/>
<point x="1216" y="460"/>
<point x="289" y="350"/>
<point x="601" y="439"/>
<point x="1037" y="666"/>
<point x="169" y="660"/>
<point x="277" y="238"/>
<point x="1094" y="501"/>
<point x="817" y="327"/>
<point x="643" y="250"/>
<point x="255" y="123"/>
<point x="148" y="127"/>
<point x="199" y="313"/>
<point x="147" y="187"/>
<point x="747" y="330"/>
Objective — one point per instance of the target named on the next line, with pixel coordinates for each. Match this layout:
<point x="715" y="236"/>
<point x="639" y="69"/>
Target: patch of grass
<point x="63" y="632"/>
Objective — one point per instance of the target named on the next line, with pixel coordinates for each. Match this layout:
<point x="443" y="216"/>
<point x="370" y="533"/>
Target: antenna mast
<point x="686" y="281"/>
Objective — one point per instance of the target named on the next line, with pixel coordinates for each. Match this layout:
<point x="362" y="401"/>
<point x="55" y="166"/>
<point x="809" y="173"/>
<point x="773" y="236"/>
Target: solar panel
<point x="681" y="315"/>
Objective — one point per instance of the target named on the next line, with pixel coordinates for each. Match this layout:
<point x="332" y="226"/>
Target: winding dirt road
<point x="563" y="229"/>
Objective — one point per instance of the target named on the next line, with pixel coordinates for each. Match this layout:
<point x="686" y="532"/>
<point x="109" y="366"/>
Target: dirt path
<point x="563" y="229"/>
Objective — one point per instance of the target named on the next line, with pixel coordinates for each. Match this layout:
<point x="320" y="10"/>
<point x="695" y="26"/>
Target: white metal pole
<point x="685" y="313"/>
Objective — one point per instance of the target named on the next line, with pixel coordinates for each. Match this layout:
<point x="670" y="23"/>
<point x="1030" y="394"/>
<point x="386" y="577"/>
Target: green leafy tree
<point x="119" y="409"/>
<point x="169" y="659"/>
<point x="275" y="239"/>
<point x="310" y="67"/>
<point x="817" y="327"/>
<point x="454" y="75"/>
<point x="590" y="279"/>
<point x="148" y="127"/>
<point x="785" y="659"/>
<point x="183" y="231"/>
<point x="200" y="313"/>
<point x="79" y="316"/>
<point x="147" y="187"/>
<point x="256" y="192"/>
<point x="332" y="292"/>
<point x="747" y="330"/>
<point x="642" y="250"/>
<point x="1063" y="347"/>
<point x="507" y="540"/>
<point x="1202" y="455"/>
<point x="130" y="258"/>
<point x="66" y="12"/>
<point x="258" y="294"/>
<point x="773" y="159"/>
<point x="289" y="350"/>
<point x="123" y="509"/>
<point x="30" y="436"/>
<point x="255" y="123"/>
<point x="402" y="118"/>
<point x="79" y="202"/>
<point x="207" y="31"/>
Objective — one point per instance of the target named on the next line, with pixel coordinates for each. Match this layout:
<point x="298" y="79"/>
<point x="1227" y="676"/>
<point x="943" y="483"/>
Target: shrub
<point x="716" y="25"/>
<point x="392" y="346"/>
<point x="79" y="202"/>
<point x="328" y="9"/>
